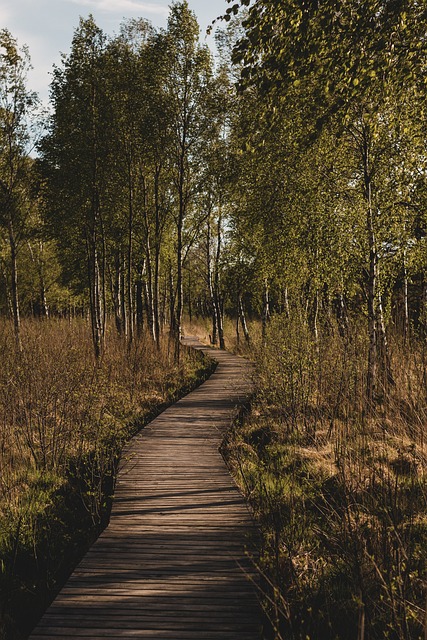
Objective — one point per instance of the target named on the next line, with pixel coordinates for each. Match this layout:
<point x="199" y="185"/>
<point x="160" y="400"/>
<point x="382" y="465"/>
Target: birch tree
<point x="341" y="66"/>
<point x="17" y="107"/>
<point x="74" y="152"/>
<point x="190" y="70"/>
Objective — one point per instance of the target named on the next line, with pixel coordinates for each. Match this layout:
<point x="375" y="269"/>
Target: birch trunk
<point x="140" y="301"/>
<point x="158" y="239"/>
<point x="116" y="293"/>
<point x="42" y="306"/>
<point x="405" y="300"/>
<point x="14" y="286"/>
<point x="372" y="373"/>
<point x="94" y="292"/>
<point x="242" y="317"/>
<point x="129" y="296"/>
<point x="265" y="310"/>
<point x="214" y="336"/>
<point x="217" y="295"/>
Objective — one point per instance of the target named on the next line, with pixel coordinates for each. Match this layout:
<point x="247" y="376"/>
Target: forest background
<point x="276" y="202"/>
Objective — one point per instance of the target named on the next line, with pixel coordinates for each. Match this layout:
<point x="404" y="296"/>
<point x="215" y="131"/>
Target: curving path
<point x="171" y="563"/>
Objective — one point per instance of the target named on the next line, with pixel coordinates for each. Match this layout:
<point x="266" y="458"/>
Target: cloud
<point x="120" y="6"/>
<point x="5" y="14"/>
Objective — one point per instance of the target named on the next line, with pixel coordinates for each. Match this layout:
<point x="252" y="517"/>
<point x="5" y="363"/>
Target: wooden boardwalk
<point x="171" y="563"/>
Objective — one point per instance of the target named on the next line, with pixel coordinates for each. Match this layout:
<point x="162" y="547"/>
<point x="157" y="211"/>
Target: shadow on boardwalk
<point x="172" y="563"/>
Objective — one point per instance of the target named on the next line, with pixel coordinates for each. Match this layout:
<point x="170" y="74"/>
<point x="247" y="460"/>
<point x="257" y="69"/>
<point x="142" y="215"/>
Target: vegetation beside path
<point x="339" y="494"/>
<point x="65" y="418"/>
<point x="283" y="190"/>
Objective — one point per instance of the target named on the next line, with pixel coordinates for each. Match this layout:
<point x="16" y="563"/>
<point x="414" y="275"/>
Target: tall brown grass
<point x="63" y="420"/>
<point x="340" y="493"/>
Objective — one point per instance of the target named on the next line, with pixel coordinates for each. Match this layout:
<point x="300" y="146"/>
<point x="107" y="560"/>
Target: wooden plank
<point x="173" y="562"/>
<point x="48" y="634"/>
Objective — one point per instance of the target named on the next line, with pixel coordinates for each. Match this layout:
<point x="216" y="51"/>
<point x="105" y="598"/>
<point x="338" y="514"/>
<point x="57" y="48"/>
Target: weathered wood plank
<point x="173" y="561"/>
<point x="48" y="634"/>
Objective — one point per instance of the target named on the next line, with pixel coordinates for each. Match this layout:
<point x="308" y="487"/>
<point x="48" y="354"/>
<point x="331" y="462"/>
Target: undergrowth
<point x="340" y="494"/>
<point x="63" y="421"/>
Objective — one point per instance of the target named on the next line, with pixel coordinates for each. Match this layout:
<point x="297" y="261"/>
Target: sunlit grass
<point x="340" y="493"/>
<point x="63" y="420"/>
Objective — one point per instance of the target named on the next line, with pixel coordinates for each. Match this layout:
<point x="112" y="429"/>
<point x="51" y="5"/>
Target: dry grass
<point x="63" y="421"/>
<point x="202" y="329"/>
<point x="340" y="494"/>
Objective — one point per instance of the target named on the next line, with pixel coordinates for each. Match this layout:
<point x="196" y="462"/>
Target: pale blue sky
<point x="47" y="26"/>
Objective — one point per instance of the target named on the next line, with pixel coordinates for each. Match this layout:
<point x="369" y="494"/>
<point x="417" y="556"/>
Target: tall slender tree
<point x="75" y="151"/>
<point x="17" y="107"/>
<point x="340" y="66"/>
<point x="190" y="73"/>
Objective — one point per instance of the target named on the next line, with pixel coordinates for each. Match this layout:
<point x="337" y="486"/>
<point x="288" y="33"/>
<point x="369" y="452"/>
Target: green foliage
<point x="299" y="198"/>
<point x="349" y="49"/>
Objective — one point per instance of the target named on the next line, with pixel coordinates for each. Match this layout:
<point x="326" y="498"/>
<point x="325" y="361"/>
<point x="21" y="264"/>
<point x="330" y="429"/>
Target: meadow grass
<point x="63" y="420"/>
<point x="339" y="492"/>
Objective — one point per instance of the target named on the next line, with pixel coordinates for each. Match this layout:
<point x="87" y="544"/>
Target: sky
<point x="47" y="26"/>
